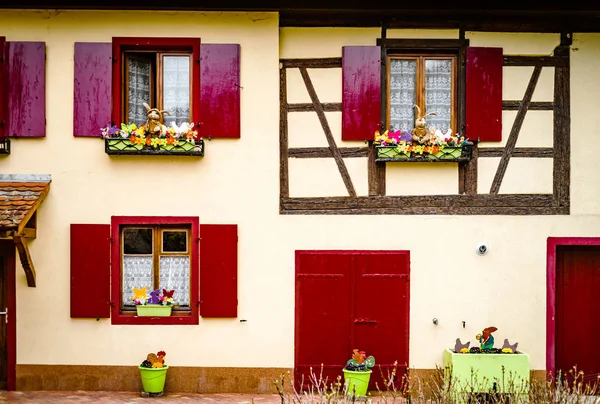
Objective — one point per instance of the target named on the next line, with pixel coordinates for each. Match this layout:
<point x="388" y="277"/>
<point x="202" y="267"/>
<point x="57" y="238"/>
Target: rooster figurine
<point x="486" y="339"/>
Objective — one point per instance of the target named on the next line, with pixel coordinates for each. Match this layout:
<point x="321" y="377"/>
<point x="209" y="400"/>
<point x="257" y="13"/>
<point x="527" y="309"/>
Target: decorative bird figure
<point x="507" y="345"/>
<point x="459" y="345"/>
<point x="485" y="338"/>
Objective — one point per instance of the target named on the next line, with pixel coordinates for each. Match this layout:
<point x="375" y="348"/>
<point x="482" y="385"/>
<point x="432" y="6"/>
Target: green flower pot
<point x="153" y="379"/>
<point x="357" y="383"/>
<point x="153" y="310"/>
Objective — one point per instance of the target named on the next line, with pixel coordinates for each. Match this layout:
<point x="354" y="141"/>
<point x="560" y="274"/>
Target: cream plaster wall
<point x="449" y="281"/>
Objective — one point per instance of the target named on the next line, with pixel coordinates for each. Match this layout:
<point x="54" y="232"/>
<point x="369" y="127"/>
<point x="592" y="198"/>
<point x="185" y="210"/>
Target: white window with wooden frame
<point x="162" y="80"/>
<point x="156" y="257"/>
<point x="426" y="80"/>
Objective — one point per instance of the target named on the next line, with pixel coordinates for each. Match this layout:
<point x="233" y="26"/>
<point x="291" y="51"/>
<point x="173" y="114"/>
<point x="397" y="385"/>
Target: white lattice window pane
<point x="175" y="275"/>
<point x="438" y="93"/>
<point x="137" y="273"/>
<point x="138" y="89"/>
<point x="403" y="91"/>
<point x="176" y="89"/>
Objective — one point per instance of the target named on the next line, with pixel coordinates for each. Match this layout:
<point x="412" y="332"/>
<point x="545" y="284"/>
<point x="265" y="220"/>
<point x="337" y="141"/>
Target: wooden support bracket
<point x="26" y="261"/>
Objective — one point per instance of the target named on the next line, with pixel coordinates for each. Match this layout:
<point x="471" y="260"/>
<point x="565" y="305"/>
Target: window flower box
<point x="125" y="147"/>
<point x="446" y="154"/>
<point x="396" y="146"/>
<point x="133" y="140"/>
<point x="153" y="310"/>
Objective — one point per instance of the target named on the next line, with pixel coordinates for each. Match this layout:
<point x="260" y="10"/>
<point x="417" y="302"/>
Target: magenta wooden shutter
<point x="218" y="270"/>
<point x="484" y="94"/>
<point x="3" y="95"/>
<point x="361" y="92"/>
<point x="26" y="87"/>
<point x="220" y="90"/>
<point x="90" y="270"/>
<point x="93" y="86"/>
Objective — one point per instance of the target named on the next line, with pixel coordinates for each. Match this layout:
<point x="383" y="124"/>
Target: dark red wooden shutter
<point x="90" y="270"/>
<point x="26" y="87"/>
<point x="218" y="270"/>
<point x="484" y="94"/>
<point x="220" y="90"/>
<point x="93" y="85"/>
<point x="361" y="92"/>
<point x="3" y="95"/>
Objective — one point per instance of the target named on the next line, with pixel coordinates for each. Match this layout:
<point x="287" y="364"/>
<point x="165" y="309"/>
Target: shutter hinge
<point x="112" y="304"/>
<point x="198" y="60"/>
<point x="112" y="240"/>
<point x="114" y="59"/>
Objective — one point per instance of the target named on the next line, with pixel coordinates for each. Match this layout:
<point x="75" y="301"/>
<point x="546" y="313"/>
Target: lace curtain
<point x="403" y="89"/>
<point x="137" y="273"/>
<point x="438" y="92"/>
<point x="139" y="73"/>
<point x="176" y="89"/>
<point x="174" y="275"/>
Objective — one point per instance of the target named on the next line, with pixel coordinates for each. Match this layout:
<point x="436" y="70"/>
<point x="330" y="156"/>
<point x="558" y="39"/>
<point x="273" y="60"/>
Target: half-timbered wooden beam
<point x="321" y="152"/>
<point x="562" y="130"/>
<point x="514" y="132"/>
<point x="26" y="261"/>
<point x="327" y="107"/>
<point x="480" y="204"/>
<point x="533" y="105"/>
<point x="539" y="61"/>
<point x="337" y="156"/>
<point x="531" y="152"/>
<point x="322" y="63"/>
<point x="284" y="186"/>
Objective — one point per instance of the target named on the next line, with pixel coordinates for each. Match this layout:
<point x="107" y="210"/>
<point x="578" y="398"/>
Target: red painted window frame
<point x="120" y="44"/>
<point x="551" y="252"/>
<point x="116" y="316"/>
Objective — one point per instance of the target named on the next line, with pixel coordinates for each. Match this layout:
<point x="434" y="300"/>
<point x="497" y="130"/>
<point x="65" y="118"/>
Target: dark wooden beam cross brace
<point x="26" y="261"/>
<point x="514" y="132"/>
<point x="335" y="152"/>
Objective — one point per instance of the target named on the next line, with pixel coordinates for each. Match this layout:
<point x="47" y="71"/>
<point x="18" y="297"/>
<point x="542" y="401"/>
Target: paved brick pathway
<point x="109" y="397"/>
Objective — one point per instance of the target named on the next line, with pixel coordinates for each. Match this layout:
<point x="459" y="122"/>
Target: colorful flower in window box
<point x="158" y="303"/>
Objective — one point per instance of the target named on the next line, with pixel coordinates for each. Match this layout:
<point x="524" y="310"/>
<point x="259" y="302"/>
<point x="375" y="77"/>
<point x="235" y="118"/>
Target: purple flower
<point x="406" y="136"/>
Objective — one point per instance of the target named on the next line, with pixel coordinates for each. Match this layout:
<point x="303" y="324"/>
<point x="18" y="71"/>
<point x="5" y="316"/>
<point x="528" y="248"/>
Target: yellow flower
<point x="507" y="350"/>
<point x="140" y="131"/>
<point x="464" y="350"/>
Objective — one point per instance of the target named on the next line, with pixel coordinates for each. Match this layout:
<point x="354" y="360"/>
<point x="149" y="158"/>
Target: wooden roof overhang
<point x="20" y="197"/>
<point x="500" y="16"/>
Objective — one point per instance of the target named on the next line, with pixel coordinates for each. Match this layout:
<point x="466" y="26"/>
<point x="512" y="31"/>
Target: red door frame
<point x="552" y="244"/>
<point x="7" y="248"/>
<point x="342" y="252"/>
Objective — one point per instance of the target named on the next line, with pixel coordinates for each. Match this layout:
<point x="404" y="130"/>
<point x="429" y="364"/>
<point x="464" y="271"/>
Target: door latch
<point x="5" y="314"/>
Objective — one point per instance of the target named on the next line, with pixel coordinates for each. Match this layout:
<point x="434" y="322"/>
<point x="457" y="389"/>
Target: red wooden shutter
<point x="361" y="92"/>
<point x="484" y="94"/>
<point x="92" y="91"/>
<point x="220" y="90"/>
<point x="26" y="86"/>
<point x="3" y="97"/>
<point x="90" y="270"/>
<point x="218" y="270"/>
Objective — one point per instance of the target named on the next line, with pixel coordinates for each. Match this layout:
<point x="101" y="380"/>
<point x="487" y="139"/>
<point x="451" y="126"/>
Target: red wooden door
<point x="382" y="311"/>
<point x="323" y="327"/>
<point x="347" y="300"/>
<point x="577" y="305"/>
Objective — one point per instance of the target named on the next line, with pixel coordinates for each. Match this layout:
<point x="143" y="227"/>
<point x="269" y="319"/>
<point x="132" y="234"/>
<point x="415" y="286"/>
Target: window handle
<point x="5" y="314"/>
